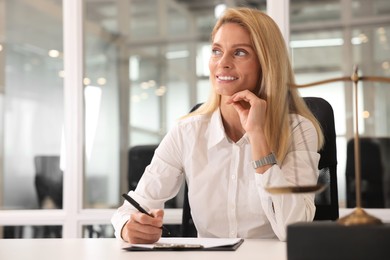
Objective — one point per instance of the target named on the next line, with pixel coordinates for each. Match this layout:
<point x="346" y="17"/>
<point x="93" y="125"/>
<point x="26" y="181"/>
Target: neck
<point x="231" y="122"/>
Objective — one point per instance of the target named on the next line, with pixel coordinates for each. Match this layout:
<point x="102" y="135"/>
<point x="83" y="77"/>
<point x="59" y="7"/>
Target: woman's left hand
<point x="251" y="110"/>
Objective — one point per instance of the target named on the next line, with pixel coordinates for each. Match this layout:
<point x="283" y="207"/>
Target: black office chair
<point x="138" y="158"/>
<point x="327" y="202"/>
<point x="374" y="154"/>
<point x="327" y="206"/>
<point x="48" y="184"/>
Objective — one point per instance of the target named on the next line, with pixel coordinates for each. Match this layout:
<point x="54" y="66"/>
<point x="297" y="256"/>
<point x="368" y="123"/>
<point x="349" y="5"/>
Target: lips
<point x="226" y="78"/>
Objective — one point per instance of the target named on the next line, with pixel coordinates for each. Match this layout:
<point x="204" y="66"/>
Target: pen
<point x="141" y="209"/>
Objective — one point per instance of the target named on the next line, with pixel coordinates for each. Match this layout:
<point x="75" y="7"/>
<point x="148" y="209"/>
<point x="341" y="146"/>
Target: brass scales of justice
<point x="359" y="216"/>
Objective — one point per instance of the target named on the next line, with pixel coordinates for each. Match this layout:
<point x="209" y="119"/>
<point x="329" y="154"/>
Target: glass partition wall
<point x="72" y="107"/>
<point x="328" y="38"/>
<point x="31" y="111"/>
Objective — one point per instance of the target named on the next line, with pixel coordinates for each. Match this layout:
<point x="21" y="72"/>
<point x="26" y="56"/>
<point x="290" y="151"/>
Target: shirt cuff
<point x="118" y="222"/>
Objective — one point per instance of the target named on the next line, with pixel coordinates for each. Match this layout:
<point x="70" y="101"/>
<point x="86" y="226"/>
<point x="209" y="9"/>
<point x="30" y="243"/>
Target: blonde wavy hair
<point x="276" y="78"/>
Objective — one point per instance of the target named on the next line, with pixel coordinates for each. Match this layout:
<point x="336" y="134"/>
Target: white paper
<point x="205" y="242"/>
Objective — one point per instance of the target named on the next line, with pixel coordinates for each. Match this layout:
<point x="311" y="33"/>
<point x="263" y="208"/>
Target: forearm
<point x="284" y="209"/>
<point x="259" y="149"/>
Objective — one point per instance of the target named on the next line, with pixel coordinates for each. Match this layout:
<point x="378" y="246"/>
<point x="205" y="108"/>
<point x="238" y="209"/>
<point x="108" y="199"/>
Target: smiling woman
<point x="242" y="139"/>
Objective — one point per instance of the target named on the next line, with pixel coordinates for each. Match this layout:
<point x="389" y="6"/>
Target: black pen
<point x="141" y="209"/>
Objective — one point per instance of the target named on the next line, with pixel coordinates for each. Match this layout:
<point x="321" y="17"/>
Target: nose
<point x="226" y="61"/>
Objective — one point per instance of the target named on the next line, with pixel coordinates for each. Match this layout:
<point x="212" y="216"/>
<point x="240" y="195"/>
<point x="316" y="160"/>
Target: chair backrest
<point x="374" y="168"/>
<point x="48" y="179"/>
<point x="139" y="157"/>
<point x="327" y="206"/>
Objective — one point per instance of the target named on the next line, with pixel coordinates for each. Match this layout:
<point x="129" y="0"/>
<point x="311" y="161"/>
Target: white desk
<point x="101" y="248"/>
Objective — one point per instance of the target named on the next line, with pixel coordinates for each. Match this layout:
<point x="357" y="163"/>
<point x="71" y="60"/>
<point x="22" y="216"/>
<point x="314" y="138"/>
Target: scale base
<point x="324" y="240"/>
<point x="359" y="217"/>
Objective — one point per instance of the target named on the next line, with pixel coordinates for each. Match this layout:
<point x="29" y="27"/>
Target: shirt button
<point x="233" y="176"/>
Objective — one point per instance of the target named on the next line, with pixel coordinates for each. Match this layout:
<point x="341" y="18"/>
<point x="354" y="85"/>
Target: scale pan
<point x="296" y="189"/>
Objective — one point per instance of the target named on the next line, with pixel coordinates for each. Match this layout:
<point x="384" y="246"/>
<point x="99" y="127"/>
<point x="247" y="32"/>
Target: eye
<point x="216" y="52"/>
<point x="240" y="53"/>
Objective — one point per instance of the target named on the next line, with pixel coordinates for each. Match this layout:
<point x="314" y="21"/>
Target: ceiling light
<point x="86" y="81"/>
<point x="54" y="53"/>
<point x="152" y="83"/>
<point x="161" y="91"/>
<point x="101" y="81"/>
<point x="177" y="54"/>
<point x="366" y="114"/>
<point x="316" y="43"/>
<point x="219" y="9"/>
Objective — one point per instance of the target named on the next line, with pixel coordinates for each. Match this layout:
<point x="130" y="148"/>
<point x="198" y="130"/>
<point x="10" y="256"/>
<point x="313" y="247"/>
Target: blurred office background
<point x="144" y="65"/>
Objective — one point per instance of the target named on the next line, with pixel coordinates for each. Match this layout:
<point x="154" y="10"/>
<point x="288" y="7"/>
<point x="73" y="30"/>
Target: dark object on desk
<point x="327" y="205"/>
<point x="323" y="240"/>
<point x="375" y="172"/>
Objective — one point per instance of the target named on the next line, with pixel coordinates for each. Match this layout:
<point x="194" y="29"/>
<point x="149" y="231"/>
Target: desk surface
<point x="102" y="248"/>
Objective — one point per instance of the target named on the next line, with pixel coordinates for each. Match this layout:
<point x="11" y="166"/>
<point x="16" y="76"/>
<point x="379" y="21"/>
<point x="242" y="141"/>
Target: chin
<point x="223" y="91"/>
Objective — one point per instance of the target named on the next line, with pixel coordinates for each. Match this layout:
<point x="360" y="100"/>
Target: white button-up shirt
<point x="226" y="195"/>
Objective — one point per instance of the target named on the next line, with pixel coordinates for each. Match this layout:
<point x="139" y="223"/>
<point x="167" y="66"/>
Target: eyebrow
<point x="235" y="45"/>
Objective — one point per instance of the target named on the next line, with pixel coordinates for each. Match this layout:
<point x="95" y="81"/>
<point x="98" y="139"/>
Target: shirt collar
<point x="216" y="129"/>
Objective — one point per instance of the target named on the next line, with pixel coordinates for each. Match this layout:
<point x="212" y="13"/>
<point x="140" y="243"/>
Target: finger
<point x="145" y="230"/>
<point x="146" y="219"/>
<point x="139" y="234"/>
<point x="158" y="213"/>
<point x="249" y="100"/>
<point x="134" y="232"/>
<point x="244" y="95"/>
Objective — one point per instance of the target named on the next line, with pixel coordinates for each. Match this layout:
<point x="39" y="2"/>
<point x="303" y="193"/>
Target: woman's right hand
<point x="143" y="229"/>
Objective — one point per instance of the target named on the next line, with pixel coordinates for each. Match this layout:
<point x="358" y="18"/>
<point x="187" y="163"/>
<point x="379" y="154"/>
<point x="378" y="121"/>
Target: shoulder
<point x="185" y="133"/>
<point x="194" y="121"/>
<point x="303" y="132"/>
<point x="298" y="121"/>
<point x="191" y="125"/>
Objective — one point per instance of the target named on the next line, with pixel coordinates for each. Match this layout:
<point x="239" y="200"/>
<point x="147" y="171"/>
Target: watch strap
<point x="267" y="160"/>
